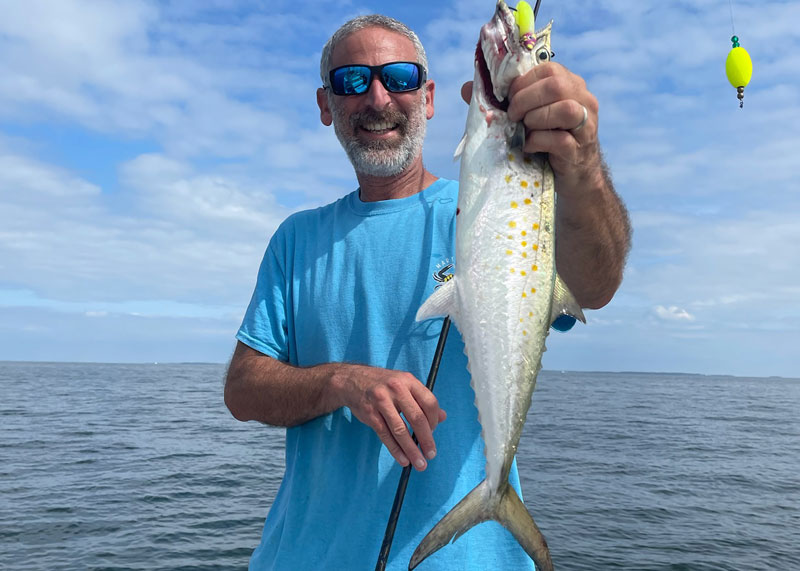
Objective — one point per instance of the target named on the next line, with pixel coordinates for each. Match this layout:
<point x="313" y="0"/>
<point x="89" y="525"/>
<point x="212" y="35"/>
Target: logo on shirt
<point x="441" y="274"/>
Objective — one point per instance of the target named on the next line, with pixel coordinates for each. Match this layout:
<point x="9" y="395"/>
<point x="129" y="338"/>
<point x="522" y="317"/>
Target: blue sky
<point x="148" y="150"/>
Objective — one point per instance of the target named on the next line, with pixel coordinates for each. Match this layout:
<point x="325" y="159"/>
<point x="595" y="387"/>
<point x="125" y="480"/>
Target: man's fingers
<point x="427" y="402"/>
<point x="565" y="115"/>
<point x="385" y="434"/>
<point x="402" y="435"/>
<point x="466" y="92"/>
<point x="556" y="142"/>
<point x="536" y="73"/>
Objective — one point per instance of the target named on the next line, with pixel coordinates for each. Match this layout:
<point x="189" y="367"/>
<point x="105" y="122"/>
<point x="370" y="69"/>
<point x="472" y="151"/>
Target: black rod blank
<point x="400" y="495"/>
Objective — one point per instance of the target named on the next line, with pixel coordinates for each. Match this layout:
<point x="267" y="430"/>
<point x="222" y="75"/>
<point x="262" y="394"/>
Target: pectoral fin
<point x="564" y="303"/>
<point x="460" y="148"/>
<point x="441" y="302"/>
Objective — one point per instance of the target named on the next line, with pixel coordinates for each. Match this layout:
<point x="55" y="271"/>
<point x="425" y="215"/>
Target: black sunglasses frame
<point x="375" y="71"/>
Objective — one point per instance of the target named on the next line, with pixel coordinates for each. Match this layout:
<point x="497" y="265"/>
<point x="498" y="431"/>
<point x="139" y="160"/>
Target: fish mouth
<point x="494" y="47"/>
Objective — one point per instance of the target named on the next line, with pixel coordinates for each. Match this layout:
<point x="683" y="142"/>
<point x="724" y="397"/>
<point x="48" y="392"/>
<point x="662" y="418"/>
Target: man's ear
<point x="430" y="89"/>
<point x="325" y="114"/>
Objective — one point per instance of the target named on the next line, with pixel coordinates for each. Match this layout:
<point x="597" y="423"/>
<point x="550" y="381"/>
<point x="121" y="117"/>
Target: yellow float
<point x="738" y="68"/>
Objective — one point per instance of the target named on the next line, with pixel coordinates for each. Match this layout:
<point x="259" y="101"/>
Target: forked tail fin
<point x="481" y="505"/>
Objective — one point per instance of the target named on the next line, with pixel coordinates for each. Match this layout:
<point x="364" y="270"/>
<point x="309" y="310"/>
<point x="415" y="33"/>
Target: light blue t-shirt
<point x="343" y="283"/>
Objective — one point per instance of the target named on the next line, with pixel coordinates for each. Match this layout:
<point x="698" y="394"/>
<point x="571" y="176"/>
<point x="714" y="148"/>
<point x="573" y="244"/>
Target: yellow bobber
<point x="525" y="22"/>
<point x="738" y="68"/>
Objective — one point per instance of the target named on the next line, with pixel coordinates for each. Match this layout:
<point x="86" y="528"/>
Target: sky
<point x="148" y="151"/>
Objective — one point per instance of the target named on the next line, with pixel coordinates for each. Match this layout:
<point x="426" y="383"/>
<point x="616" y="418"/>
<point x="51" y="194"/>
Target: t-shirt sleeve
<point x="265" y="326"/>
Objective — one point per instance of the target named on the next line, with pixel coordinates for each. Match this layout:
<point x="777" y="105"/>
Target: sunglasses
<point x="396" y="77"/>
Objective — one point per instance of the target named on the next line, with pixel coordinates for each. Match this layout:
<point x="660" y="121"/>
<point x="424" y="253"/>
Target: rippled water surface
<point x="141" y="467"/>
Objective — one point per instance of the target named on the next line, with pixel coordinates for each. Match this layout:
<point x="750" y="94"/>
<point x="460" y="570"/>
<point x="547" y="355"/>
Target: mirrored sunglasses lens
<point x="351" y="80"/>
<point x="399" y="77"/>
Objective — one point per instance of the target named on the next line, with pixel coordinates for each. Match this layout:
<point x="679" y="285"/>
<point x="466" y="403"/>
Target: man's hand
<point x="377" y="397"/>
<point x="549" y="100"/>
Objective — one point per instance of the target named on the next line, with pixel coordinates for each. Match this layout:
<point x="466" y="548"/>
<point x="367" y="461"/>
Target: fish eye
<point x="543" y="54"/>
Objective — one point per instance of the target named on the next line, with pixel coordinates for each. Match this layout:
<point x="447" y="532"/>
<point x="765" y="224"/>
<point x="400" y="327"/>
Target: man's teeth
<point x="379" y="126"/>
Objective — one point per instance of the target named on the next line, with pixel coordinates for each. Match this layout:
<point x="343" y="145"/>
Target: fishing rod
<point x="400" y="495"/>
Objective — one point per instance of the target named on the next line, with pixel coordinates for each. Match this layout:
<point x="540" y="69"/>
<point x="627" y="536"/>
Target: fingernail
<point x="431" y="454"/>
<point x="420" y="464"/>
<point x="403" y="460"/>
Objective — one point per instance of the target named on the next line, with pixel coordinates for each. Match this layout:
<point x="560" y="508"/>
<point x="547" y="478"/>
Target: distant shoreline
<point x="546" y="371"/>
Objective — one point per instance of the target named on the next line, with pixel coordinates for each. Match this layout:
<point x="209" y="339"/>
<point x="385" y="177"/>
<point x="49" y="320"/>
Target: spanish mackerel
<point x="505" y="293"/>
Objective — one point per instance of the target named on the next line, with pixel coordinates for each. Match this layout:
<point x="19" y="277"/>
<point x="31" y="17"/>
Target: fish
<point x="504" y="293"/>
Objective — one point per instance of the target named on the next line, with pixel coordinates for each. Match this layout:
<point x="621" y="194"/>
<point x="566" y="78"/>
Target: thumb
<point x="466" y="91"/>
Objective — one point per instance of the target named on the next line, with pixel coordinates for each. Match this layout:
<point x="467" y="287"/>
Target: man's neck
<point x="409" y="182"/>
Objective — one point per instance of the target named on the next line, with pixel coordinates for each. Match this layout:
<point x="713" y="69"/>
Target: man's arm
<point x="258" y="387"/>
<point x="593" y="238"/>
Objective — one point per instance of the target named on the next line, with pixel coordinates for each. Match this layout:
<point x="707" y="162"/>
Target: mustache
<point x="374" y="116"/>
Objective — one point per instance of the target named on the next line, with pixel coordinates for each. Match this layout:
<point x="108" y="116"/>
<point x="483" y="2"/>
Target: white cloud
<point x="673" y="313"/>
<point x="190" y="237"/>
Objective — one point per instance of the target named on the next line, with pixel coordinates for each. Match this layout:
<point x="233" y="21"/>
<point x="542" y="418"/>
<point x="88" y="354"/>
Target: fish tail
<point x="481" y="505"/>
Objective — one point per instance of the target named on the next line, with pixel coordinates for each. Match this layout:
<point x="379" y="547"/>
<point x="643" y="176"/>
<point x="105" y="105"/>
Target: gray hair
<point x="370" y="21"/>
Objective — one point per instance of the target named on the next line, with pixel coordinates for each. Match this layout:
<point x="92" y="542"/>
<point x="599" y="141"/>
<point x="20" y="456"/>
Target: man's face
<point x="381" y="132"/>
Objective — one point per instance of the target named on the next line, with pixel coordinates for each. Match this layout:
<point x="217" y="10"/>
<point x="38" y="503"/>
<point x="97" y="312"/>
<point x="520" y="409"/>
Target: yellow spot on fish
<point x="510" y="237"/>
<point x="512" y="224"/>
<point x="524" y="332"/>
<point x="524" y="254"/>
<point x="536" y="184"/>
<point x="524" y="184"/>
<point x="514" y="205"/>
<point x="508" y="178"/>
<point x="512" y="270"/>
<point x="535" y="226"/>
<point x="524" y="294"/>
<point x="508" y="252"/>
<point x="530" y="314"/>
<point x="535" y="246"/>
<point x="524" y="233"/>
<point x="510" y="157"/>
<point x="521" y="320"/>
<point x="522" y="273"/>
<point x="533" y="290"/>
<point x="535" y="268"/>
<point x="528" y="201"/>
<point x="524" y="244"/>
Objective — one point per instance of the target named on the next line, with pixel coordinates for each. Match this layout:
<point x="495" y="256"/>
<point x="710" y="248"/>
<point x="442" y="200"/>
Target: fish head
<point x="503" y="54"/>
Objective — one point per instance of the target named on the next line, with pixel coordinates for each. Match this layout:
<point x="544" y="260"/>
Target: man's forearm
<point x="260" y="388"/>
<point x="593" y="237"/>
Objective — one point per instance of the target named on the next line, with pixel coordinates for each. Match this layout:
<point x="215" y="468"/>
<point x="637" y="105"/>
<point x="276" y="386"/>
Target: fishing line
<point x="733" y="29"/>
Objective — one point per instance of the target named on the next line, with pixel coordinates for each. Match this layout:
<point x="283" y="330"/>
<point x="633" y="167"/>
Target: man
<point x="329" y="347"/>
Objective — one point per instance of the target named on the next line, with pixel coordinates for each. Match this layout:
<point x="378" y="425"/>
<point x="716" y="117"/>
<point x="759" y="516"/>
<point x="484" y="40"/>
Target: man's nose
<point x="377" y="96"/>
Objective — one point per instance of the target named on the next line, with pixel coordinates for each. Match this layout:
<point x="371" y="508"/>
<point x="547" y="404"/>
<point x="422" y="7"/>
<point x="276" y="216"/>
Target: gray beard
<point x="381" y="158"/>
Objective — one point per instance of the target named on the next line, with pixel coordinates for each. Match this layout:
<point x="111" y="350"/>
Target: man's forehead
<point x="374" y="43"/>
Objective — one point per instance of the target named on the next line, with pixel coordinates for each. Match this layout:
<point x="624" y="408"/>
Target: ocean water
<point x="141" y="467"/>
